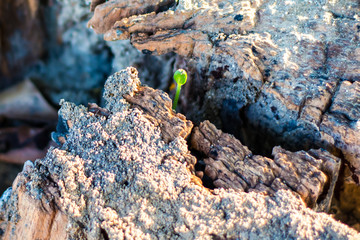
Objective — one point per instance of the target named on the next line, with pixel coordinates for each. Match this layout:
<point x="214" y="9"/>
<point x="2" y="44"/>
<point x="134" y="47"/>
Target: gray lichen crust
<point x="117" y="178"/>
<point x="120" y="84"/>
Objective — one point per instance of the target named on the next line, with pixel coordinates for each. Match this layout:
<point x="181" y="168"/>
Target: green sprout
<point x="180" y="78"/>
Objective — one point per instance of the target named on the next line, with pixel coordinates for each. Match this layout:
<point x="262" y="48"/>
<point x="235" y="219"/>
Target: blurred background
<point x="47" y="53"/>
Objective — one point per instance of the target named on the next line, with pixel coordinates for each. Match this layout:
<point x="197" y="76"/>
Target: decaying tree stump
<point x="121" y="172"/>
<point x="288" y="70"/>
<point x="229" y="164"/>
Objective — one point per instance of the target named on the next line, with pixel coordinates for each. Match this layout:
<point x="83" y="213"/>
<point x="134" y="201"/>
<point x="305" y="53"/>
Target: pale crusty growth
<point x="116" y="178"/>
<point x="282" y="62"/>
<point x="120" y="84"/>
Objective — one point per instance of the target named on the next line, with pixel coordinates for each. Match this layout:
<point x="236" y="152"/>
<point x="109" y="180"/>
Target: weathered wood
<point x="158" y="106"/>
<point x="229" y="164"/>
<point x="107" y="13"/>
<point x="114" y="177"/>
<point x="347" y="207"/>
<point x="29" y="218"/>
<point x="285" y="68"/>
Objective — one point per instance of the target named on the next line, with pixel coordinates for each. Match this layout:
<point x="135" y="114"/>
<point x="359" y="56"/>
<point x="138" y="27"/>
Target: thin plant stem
<point x="176" y="99"/>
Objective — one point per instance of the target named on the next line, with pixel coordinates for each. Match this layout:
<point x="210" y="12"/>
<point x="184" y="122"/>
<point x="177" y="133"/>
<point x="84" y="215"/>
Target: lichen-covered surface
<point x="49" y="43"/>
<point x="289" y="70"/>
<point x="115" y="177"/>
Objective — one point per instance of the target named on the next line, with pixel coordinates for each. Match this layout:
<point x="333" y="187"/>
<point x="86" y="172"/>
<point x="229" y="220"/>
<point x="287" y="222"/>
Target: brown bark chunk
<point x="34" y="218"/>
<point x="229" y="164"/>
<point x="157" y="105"/>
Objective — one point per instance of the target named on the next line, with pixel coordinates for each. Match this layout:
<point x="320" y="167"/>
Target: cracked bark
<point x="284" y="68"/>
<point x="312" y="174"/>
<point x="74" y="183"/>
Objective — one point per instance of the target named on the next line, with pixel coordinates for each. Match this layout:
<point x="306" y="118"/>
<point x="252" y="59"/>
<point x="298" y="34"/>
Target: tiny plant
<point x="180" y="78"/>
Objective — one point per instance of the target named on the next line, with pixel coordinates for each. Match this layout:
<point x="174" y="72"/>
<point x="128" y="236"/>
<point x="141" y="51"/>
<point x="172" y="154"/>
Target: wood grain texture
<point x="312" y="174"/>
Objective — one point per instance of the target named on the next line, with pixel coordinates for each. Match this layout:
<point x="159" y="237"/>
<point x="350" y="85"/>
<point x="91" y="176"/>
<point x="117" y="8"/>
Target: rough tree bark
<point x="231" y="165"/>
<point x="289" y="70"/>
<point x="124" y="171"/>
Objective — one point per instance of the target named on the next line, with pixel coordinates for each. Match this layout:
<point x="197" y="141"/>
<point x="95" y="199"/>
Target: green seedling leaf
<point x="180" y="77"/>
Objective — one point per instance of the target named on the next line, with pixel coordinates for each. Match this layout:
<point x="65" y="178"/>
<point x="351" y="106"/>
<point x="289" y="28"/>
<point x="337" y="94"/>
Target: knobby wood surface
<point x="268" y="72"/>
<point x="74" y="187"/>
